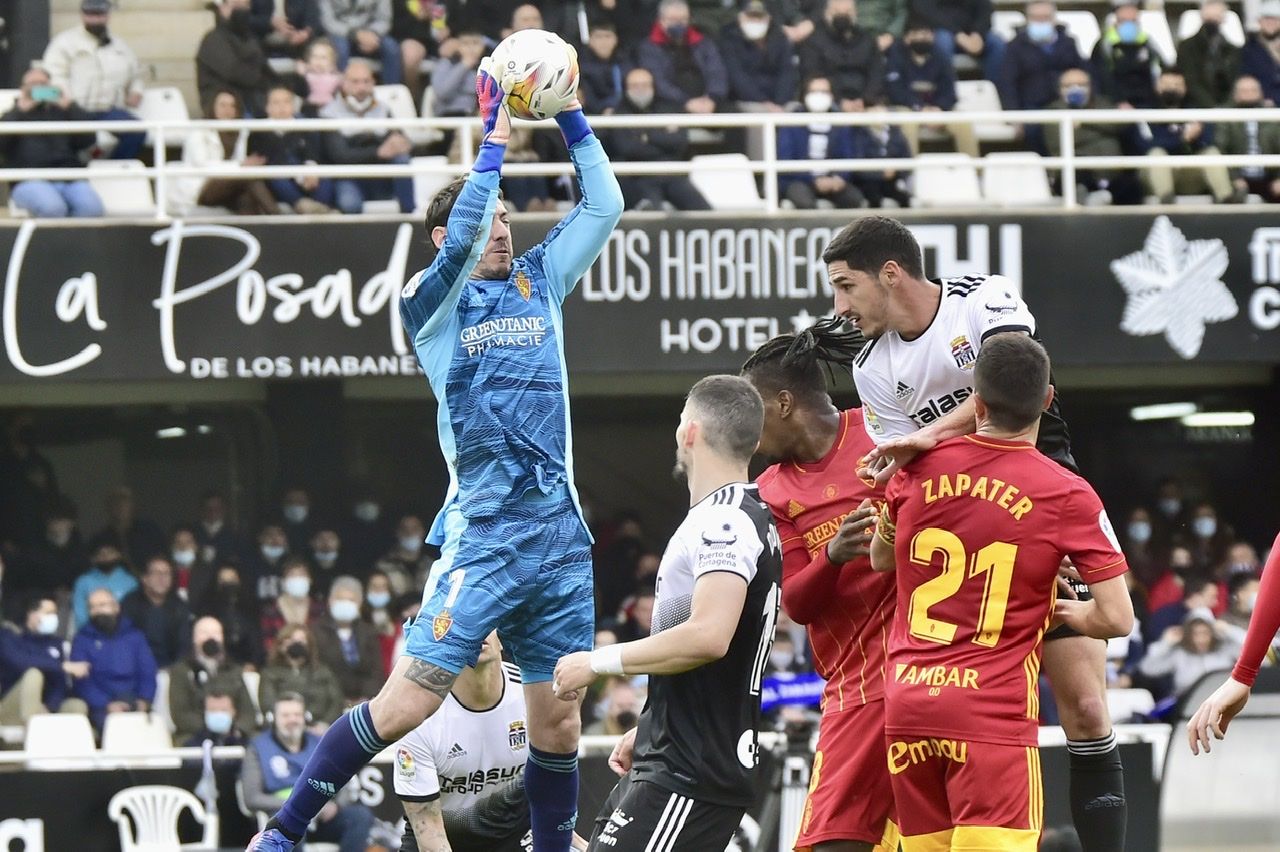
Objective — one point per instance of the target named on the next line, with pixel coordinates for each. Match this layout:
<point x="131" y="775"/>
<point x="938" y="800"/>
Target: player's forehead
<point x="840" y="272"/>
<point x="500" y="211"/>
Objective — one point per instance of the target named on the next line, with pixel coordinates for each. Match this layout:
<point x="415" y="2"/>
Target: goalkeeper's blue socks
<point x="551" y="783"/>
<point x="349" y="744"/>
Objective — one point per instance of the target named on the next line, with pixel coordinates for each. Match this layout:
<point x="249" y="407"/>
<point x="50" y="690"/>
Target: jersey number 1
<point x="994" y="563"/>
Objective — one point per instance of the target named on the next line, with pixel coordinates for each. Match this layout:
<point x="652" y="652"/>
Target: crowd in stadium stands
<point x="661" y="56"/>
<point x="314" y="599"/>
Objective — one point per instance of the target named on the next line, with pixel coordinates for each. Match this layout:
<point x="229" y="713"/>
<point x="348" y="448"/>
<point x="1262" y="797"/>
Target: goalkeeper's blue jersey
<point x="493" y="351"/>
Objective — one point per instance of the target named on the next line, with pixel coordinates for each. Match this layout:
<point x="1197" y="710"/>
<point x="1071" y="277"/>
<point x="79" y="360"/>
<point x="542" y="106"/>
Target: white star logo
<point x="802" y="320"/>
<point x="1174" y="287"/>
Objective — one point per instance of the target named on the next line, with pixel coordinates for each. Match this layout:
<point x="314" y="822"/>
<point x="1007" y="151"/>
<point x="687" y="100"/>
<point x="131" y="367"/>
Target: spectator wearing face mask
<point x="1125" y="60"/>
<point x="1190" y="138"/>
<point x="189" y="567"/>
<point x="407" y="563"/>
<point x="236" y="607"/>
<point x="230" y="58"/>
<point x="1139" y="549"/>
<point x="294" y="667"/>
<point x="1167" y="587"/>
<point x="34" y="670"/>
<point x="1171" y="518"/>
<point x="306" y="195"/>
<point x="367" y="531"/>
<point x="818" y="141"/>
<point x="1101" y="186"/>
<point x="220" y="728"/>
<point x="122" y="672"/>
<point x="53" y="563"/>
<point x="1033" y="64"/>
<point x="108" y="571"/>
<point x="156" y="609"/>
<point x="295" y="603"/>
<point x="600" y="69"/>
<point x="1209" y="539"/>
<point x="98" y="71"/>
<point x="327" y="560"/>
<point x="765" y="63"/>
<point x="1242" y="594"/>
<point x="296" y="518"/>
<point x="652" y="144"/>
<point x="348" y="645"/>
<point x="847" y="55"/>
<point x="1253" y="138"/>
<point x="963" y="27"/>
<point x="882" y="142"/>
<point x="1188" y="651"/>
<point x="1242" y="558"/>
<point x="377" y="611"/>
<point x="687" y="67"/>
<point x="621" y="709"/>
<point x="207" y="668"/>
<point x="267" y="563"/>
<point x="356" y="146"/>
<point x="919" y="77"/>
<point x="137" y="538"/>
<point x="216" y="535"/>
<point x="1260" y="57"/>
<point x="1210" y="62"/>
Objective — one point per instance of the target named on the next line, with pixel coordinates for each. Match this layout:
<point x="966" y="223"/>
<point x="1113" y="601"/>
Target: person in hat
<point x="1260" y="57"/>
<point x="1126" y="61"/>
<point x="98" y="71"/>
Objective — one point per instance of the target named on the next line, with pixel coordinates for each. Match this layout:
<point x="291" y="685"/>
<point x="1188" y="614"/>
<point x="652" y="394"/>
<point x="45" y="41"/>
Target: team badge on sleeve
<point x="440" y="625"/>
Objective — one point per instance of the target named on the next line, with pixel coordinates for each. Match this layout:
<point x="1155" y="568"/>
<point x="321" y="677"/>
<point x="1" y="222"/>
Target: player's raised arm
<point x="574" y="244"/>
<point x="462" y="240"/>
<point x="1217" y="711"/>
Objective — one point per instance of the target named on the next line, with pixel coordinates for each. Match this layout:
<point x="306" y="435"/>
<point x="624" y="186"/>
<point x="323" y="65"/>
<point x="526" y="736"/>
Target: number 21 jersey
<point x="981" y="526"/>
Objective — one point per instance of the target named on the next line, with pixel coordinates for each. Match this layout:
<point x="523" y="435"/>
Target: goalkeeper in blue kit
<point x="515" y="550"/>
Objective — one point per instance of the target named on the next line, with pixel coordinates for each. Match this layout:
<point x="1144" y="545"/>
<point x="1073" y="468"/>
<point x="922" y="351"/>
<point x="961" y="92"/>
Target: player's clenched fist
<point x="573" y="672"/>
<point x="620" y="758"/>
<point x="853" y="539"/>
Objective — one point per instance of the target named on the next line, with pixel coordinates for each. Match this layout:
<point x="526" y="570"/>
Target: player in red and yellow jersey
<point x="825" y="519"/>
<point x="977" y="529"/>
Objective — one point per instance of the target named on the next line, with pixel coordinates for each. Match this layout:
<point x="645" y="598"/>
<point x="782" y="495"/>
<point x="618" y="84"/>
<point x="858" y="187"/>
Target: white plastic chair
<point x="1014" y="184"/>
<point x="425" y="183"/>
<point x="123" y="190"/>
<point x="1083" y="27"/>
<point x="8" y="98"/>
<point x="726" y="189"/>
<point x="252" y="680"/>
<point x="59" y="741"/>
<point x="161" y="706"/>
<point x="164" y="103"/>
<point x="428" y="110"/>
<point x="1125" y="703"/>
<point x="982" y="96"/>
<point x="946" y="180"/>
<point x="1232" y="28"/>
<point x="283" y="66"/>
<point x="147" y="817"/>
<point x="399" y="101"/>
<point x="1006" y="22"/>
<point x="135" y="733"/>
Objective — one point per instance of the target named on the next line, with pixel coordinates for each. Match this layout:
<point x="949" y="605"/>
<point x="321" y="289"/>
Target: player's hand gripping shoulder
<point x="853" y="539"/>
<point x="882" y="462"/>
<point x="1215" y="714"/>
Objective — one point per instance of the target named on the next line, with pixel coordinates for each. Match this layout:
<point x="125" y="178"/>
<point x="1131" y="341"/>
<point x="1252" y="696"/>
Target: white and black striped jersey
<point x="907" y="384"/>
<point x="697" y="732"/>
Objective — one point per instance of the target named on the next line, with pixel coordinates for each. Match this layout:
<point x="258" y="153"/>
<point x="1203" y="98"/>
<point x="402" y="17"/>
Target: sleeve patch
<point x="1104" y="524"/>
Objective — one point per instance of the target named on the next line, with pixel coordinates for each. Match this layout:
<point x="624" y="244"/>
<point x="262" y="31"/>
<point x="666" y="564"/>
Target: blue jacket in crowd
<point x="121" y="667"/>
<point x="668" y="62"/>
<point x="793" y="144"/>
<point x="1030" y="72"/>
<point x="1256" y="61"/>
<point x="918" y="85"/>
<point x="768" y="72"/>
<point x="22" y="651"/>
<point x="1168" y="137"/>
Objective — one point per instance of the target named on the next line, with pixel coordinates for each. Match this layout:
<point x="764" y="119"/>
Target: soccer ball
<point x="539" y="72"/>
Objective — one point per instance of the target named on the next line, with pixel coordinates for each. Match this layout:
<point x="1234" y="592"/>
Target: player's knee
<point x="560" y="734"/>
<point x="1085" y="716"/>
<point x="392" y="719"/>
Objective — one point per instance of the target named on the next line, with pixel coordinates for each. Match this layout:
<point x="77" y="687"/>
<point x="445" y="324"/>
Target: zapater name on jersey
<point x="908" y="384"/>
<point x="683" y="744"/>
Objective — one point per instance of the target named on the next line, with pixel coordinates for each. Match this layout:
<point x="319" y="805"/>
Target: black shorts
<point x="640" y="816"/>
<point x="1062" y="631"/>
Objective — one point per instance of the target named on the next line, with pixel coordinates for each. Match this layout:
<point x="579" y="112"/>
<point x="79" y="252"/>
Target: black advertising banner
<point x="287" y="300"/>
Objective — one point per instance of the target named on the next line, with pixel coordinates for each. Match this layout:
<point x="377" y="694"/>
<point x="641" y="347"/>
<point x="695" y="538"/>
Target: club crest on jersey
<point x="794" y="509"/>
<point x="440" y="625"/>
<point x="404" y="764"/>
<point x="963" y="352"/>
<point x="517" y="735"/>
<point x="830" y="492"/>
<point x="523" y="285"/>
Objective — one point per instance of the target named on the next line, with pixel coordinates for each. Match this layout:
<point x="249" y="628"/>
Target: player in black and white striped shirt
<point x="690" y="764"/>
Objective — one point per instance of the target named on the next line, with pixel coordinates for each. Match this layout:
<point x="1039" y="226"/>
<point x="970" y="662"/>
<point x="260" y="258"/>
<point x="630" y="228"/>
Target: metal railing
<point x="767" y="124"/>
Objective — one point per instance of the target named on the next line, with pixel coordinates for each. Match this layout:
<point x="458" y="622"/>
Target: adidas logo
<point x="323" y="787"/>
<point x="794" y="509"/>
<point x="903" y="391"/>
<point x="457" y="751"/>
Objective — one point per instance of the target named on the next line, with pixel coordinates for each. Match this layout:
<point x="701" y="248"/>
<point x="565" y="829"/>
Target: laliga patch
<point x="404" y="764"/>
<point x="440" y="625"/>
<point x="523" y="285"/>
<point x="1104" y="524"/>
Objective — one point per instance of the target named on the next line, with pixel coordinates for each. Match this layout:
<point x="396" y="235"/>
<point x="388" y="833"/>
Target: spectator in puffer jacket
<point x="766" y="73"/>
<point x="847" y="55"/>
<point x="686" y="65"/>
<point x="122" y="671"/>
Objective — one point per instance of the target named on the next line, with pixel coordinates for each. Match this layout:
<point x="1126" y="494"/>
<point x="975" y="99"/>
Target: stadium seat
<point x="124" y="192"/>
<point x="8" y="97"/>
<point x="428" y="110"/>
<point x="1232" y="28"/>
<point x="135" y="733"/>
<point x="1006" y="22"/>
<point x="59" y="741"/>
<point x="1124" y="704"/>
<point x="400" y="102"/>
<point x="381" y="207"/>
<point x="164" y="103"/>
<point x="283" y="66"/>
<point x="251" y="683"/>
<point x="161" y="706"/>
<point x="427" y="183"/>
<point x="147" y="817"/>
<point x="982" y="96"/>
<point x="726" y="189"/>
<point x="1083" y="26"/>
<point x="1009" y="183"/>
<point x="946" y="180"/>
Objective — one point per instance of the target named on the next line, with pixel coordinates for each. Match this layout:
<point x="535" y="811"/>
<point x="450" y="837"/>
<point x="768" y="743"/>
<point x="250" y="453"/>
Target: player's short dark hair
<point x="1012" y="377"/>
<point x="869" y="242"/>
<point x="794" y="362"/>
<point x="442" y="204"/>
<point x="731" y="412"/>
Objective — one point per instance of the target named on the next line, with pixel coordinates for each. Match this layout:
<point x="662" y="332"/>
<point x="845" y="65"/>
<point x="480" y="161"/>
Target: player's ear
<point x="979" y="409"/>
<point x="1048" y="398"/>
<point x="785" y="403"/>
<point x="890" y="273"/>
<point x="438" y="234"/>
